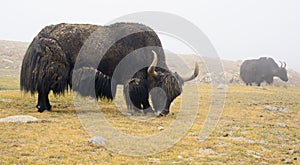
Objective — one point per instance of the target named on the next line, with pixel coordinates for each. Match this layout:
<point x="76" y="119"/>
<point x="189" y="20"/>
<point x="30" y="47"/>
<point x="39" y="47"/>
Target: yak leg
<point x="259" y="83"/>
<point x="43" y="101"/>
<point x="136" y="93"/>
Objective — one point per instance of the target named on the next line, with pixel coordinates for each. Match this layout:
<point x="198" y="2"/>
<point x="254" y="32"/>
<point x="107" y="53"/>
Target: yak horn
<point x="151" y="69"/>
<point x="196" y="72"/>
<point x="284" y="65"/>
<point x="281" y="64"/>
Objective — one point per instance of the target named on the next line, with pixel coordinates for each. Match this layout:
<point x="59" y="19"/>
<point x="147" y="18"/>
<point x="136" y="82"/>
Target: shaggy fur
<point x="49" y="64"/>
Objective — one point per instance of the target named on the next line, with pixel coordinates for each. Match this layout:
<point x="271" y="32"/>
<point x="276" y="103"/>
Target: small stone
<point x="271" y="108"/>
<point x="289" y="161"/>
<point x="96" y="150"/>
<point x="98" y="140"/>
<point x="291" y="152"/>
<point x="264" y="163"/>
<point x="226" y="135"/>
<point x="222" y="86"/>
<point x="179" y="157"/>
<point x="161" y="128"/>
<point x="6" y="100"/>
<point x="192" y="133"/>
<point x="128" y="114"/>
<point x="281" y="125"/>
<point x="285" y="110"/>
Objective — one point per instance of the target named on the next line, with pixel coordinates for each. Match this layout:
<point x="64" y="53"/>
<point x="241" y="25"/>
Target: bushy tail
<point x="44" y="67"/>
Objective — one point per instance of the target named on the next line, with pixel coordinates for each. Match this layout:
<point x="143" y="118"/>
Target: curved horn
<point x="196" y="72"/>
<point x="280" y="64"/>
<point x="284" y="65"/>
<point x="151" y="69"/>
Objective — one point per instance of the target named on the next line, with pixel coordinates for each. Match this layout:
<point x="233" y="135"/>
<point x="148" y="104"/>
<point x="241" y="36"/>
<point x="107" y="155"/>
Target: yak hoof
<point x="42" y="109"/>
<point x="164" y="113"/>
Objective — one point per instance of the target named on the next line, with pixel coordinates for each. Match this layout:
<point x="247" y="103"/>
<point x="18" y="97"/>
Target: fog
<point x="238" y="30"/>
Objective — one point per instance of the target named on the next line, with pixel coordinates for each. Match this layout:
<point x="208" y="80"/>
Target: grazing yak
<point x="262" y="69"/>
<point x="50" y="59"/>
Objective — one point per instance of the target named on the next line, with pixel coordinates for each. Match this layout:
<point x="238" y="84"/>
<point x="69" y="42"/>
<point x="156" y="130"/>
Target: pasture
<point x="246" y="133"/>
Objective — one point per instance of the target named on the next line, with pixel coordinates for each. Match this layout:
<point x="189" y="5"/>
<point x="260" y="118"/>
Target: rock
<point x="289" y="161"/>
<point x="285" y="110"/>
<point x="6" y="100"/>
<point x="96" y="150"/>
<point x="98" y="140"/>
<point x="128" y="114"/>
<point x="291" y="152"/>
<point x="281" y="125"/>
<point x="179" y="157"/>
<point x="222" y="86"/>
<point x="19" y="119"/>
<point x="271" y="108"/>
<point x="160" y="128"/>
<point x="280" y="109"/>
<point x="225" y="134"/>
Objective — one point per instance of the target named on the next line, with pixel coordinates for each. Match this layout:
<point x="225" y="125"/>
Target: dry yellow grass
<point x="246" y="132"/>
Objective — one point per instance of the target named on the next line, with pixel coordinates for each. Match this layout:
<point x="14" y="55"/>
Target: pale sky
<point x="238" y="29"/>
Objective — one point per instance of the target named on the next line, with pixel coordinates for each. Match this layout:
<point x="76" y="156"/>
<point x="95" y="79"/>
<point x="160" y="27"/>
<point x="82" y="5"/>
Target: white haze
<point x="238" y="29"/>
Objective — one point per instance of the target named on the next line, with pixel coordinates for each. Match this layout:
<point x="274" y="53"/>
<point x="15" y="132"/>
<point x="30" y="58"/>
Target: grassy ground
<point x="246" y="133"/>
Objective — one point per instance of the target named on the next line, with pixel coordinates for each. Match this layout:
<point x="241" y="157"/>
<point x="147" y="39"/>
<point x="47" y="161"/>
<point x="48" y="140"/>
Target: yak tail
<point x="44" y="67"/>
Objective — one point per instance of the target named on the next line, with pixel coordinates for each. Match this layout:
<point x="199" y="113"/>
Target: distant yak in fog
<point x="262" y="69"/>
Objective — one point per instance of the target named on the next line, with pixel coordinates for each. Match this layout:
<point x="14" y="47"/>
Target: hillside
<point x="11" y="55"/>
<point x="231" y="70"/>
<point x="12" y="52"/>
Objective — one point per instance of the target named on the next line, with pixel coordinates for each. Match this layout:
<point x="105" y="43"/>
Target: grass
<point x="245" y="134"/>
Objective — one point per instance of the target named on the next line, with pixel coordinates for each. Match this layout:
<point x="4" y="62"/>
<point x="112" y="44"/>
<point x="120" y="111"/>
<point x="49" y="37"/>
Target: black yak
<point x="262" y="69"/>
<point x="49" y="65"/>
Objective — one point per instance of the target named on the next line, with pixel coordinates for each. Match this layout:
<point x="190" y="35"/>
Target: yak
<point x="262" y="69"/>
<point x="48" y="65"/>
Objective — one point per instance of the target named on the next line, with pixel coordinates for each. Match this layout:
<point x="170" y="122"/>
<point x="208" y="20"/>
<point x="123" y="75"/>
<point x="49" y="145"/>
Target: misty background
<point x="238" y="30"/>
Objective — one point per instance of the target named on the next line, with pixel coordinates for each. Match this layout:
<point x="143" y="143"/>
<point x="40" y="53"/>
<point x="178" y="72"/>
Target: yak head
<point x="281" y="72"/>
<point x="165" y="86"/>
